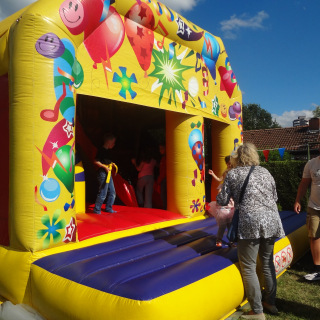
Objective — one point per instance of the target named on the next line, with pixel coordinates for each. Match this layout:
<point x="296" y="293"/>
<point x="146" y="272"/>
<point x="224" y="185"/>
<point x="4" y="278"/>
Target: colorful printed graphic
<point x="59" y="136"/>
<point x="65" y="64"/>
<point x="64" y="170"/>
<point x="70" y="230"/>
<point x="234" y="110"/>
<point x="125" y="83"/>
<point x="185" y="32"/>
<point x="107" y="39"/>
<point x="52" y="227"/>
<point x="215" y="106"/>
<point x="228" y="79"/>
<point x="141" y="38"/>
<point x="49" y="189"/>
<point x="196" y="145"/>
<point x="169" y="73"/>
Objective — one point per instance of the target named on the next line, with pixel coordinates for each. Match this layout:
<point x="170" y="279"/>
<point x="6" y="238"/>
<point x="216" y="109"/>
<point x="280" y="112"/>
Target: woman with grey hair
<point x="259" y="226"/>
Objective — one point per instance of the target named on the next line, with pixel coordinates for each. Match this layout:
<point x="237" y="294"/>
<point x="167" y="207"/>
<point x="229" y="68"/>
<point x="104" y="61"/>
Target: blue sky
<point x="273" y="47"/>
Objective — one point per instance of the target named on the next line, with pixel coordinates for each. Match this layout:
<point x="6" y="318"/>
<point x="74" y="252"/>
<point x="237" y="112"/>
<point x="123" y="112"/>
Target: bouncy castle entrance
<point x="137" y="129"/>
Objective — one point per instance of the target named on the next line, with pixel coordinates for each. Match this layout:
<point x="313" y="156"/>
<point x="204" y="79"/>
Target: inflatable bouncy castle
<point x="71" y="70"/>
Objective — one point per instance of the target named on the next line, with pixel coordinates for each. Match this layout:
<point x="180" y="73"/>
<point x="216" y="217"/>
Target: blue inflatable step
<point x="149" y="265"/>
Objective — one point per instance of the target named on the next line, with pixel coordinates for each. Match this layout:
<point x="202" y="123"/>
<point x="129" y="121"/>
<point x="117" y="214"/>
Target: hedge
<point x="287" y="175"/>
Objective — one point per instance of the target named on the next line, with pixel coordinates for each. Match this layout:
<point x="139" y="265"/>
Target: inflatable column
<point x="185" y="164"/>
<point x="42" y="117"/>
<point x="226" y="137"/>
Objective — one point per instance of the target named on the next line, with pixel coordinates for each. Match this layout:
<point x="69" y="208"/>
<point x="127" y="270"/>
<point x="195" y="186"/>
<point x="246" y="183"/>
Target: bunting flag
<point x="281" y="151"/>
<point x="266" y="154"/>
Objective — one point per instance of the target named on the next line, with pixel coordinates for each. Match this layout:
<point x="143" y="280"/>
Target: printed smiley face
<point x="73" y="15"/>
<point x="224" y="110"/>
<point x="50" y="46"/>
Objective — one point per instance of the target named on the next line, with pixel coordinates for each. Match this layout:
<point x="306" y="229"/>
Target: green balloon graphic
<point x="77" y="73"/>
<point x="67" y="160"/>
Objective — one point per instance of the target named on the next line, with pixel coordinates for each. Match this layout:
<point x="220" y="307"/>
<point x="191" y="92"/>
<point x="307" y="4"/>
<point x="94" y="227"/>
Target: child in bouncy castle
<point x="162" y="179"/>
<point x="145" y="179"/>
<point x="224" y="214"/>
<point x="107" y="192"/>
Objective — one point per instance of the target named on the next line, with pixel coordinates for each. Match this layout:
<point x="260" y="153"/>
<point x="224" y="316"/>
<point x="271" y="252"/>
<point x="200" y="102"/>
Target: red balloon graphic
<point x="226" y="81"/>
<point x="141" y="14"/>
<point x="94" y="10"/>
<point x="197" y="154"/>
<point x="106" y="39"/>
<point x="139" y="23"/>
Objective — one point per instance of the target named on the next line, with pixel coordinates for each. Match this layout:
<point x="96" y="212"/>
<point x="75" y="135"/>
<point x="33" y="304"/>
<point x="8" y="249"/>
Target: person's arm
<point x="214" y="176"/>
<point x="303" y="187"/>
<point x="224" y="195"/>
<point x="101" y="165"/>
<point x="140" y="165"/>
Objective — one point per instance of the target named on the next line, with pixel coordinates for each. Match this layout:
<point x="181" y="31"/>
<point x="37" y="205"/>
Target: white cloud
<point x="9" y="7"/>
<point x="180" y="5"/>
<point x="235" y="23"/>
<point x="286" y="119"/>
<point x="314" y="104"/>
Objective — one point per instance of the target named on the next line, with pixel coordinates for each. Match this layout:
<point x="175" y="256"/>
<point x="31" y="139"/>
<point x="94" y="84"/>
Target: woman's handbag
<point x="233" y="230"/>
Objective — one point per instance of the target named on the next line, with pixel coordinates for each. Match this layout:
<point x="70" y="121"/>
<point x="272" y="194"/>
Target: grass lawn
<point x="296" y="297"/>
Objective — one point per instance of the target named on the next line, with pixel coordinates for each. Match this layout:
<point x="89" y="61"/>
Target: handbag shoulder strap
<point x="244" y="186"/>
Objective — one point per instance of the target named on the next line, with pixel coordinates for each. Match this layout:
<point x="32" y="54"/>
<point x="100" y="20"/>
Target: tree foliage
<point x="316" y="112"/>
<point x="256" y="118"/>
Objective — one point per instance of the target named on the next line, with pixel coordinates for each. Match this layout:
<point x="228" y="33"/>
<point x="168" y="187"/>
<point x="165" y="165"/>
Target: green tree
<point x="316" y="112"/>
<point x="256" y="118"/>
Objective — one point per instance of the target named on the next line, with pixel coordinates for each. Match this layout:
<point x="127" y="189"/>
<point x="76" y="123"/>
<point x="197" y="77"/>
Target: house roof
<point x="293" y="138"/>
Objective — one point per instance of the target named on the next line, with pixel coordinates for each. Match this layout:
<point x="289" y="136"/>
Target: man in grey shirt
<point x="311" y="174"/>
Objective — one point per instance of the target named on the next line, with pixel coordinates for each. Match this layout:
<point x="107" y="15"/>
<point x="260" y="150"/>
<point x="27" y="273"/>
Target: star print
<point x="140" y="32"/>
<point x="188" y="31"/>
<point x="131" y="41"/>
<point x="67" y="128"/>
<point x="45" y="178"/>
<point x="54" y="145"/>
<point x="70" y="229"/>
<point x="180" y="24"/>
<point x="142" y="13"/>
<point x="143" y="53"/>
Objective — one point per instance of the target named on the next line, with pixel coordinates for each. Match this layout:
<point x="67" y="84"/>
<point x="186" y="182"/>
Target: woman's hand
<point x="133" y="161"/>
<point x="210" y="172"/>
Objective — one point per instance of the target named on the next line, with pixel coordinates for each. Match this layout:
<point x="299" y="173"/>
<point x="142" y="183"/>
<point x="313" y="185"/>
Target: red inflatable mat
<point x="91" y="225"/>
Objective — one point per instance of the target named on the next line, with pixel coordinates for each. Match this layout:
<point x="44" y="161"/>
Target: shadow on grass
<point x="297" y="309"/>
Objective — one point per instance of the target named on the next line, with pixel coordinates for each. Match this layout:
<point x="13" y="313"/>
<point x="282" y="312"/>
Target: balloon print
<point x="195" y="136"/>
<point x="50" y="190"/>
<point x="107" y="39"/>
<point x="74" y="16"/>
<point x="140" y="37"/>
<point x="66" y="175"/>
<point x="50" y="46"/>
<point x="196" y="145"/>
<point x="197" y="154"/>
<point x="141" y="14"/>
<point x="83" y="16"/>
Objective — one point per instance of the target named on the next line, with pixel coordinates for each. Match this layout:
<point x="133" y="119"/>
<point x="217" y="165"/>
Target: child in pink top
<point x="145" y="179"/>
<point x="224" y="214"/>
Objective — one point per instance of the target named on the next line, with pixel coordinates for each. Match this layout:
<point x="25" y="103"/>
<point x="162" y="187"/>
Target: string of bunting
<point x="266" y="152"/>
